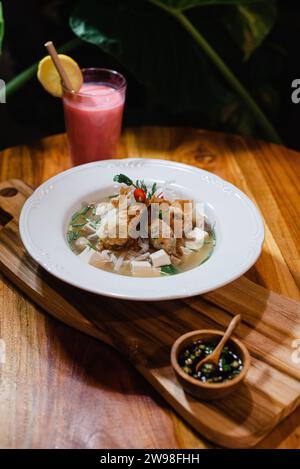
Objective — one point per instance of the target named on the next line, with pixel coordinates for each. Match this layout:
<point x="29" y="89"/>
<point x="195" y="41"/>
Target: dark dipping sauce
<point x="230" y="364"/>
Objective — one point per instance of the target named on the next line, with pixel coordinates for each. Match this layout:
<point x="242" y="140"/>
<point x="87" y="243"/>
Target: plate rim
<point x="114" y="163"/>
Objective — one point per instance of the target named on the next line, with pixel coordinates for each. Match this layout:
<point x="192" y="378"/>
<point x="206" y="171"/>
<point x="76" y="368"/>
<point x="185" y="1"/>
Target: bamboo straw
<point x="54" y="56"/>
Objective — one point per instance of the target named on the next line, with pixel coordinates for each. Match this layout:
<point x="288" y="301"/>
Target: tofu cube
<point x="160" y="258"/>
<point x="103" y="208"/>
<point x="196" y="238"/>
<point x="81" y="243"/>
<point x="89" y="229"/>
<point x="86" y="255"/>
<point x="141" y="268"/>
<point x="185" y="251"/>
<point x="90" y="256"/>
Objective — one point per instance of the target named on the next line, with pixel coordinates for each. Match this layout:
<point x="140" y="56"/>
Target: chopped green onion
<point x="81" y="213"/>
<point x="78" y="225"/>
<point x="85" y="210"/>
<point x="72" y="236"/>
<point x="213" y="232"/>
<point x="94" y="223"/>
<point x="75" y="215"/>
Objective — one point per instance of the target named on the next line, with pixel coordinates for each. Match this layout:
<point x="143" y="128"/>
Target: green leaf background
<point x="203" y="58"/>
<point x="154" y="49"/>
<point x="162" y="56"/>
<point x="248" y="25"/>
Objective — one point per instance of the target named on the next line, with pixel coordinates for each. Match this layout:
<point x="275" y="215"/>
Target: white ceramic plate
<point x="238" y="225"/>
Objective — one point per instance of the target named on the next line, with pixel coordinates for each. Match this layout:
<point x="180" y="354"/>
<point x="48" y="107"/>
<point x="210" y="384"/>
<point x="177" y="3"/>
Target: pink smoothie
<point x="93" y="121"/>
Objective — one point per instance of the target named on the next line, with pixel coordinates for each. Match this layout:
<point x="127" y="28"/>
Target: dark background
<point x="31" y="113"/>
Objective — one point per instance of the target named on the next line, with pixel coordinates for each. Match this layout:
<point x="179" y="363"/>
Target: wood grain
<point x="144" y="333"/>
<point x="277" y="269"/>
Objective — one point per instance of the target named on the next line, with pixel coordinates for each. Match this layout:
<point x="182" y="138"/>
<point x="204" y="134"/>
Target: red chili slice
<point x="140" y="195"/>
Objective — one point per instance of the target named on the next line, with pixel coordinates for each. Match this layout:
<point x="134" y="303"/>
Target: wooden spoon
<point x="214" y="357"/>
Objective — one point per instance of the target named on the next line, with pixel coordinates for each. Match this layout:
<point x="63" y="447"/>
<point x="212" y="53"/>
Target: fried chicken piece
<point x="116" y="244"/>
<point x="124" y="191"/>
<point x="179" y="243"/>
<point x="162" y="236"/>
<point x="181" y="203"/>
<point x="158" y="200"/>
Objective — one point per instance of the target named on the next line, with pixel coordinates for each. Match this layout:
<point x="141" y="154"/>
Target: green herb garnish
<point x="169" y="269"/>
<point x="79" y="214"/>
<point x="85" y="210"/>
<point x="230" y="364"/>
<point x="78" y="225"/>
<point x="213" y="232"/>
<point x="94" y="223"/>
<point x="153" y="189"/>
<point x="122" y="179"/>
<point x="224" y="365"/>
<point x="75" y="215"/>
<point x="72" y="236"/>
<point x="139" y="184"/>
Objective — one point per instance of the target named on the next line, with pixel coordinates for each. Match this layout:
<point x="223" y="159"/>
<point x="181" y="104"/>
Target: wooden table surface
<point x="62" y="389"/>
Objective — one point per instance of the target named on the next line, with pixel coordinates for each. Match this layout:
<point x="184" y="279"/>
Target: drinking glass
<point x="93" y="116"/>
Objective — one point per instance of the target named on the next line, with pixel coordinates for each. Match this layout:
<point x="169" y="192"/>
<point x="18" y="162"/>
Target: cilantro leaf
<point x="122" y="178"/>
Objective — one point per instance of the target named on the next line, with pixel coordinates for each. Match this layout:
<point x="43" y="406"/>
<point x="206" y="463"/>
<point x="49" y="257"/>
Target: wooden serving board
<point x="145" y="331"/>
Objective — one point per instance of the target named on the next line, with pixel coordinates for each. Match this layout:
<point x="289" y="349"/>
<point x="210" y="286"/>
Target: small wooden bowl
<point x="208" y="391"/>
